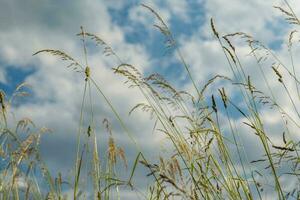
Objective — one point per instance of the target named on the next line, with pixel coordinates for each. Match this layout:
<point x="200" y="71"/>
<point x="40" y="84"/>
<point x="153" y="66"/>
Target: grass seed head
<point x="223" y="96"/>
<point x="214" y="106"/>
<point x="278" y="74"/>
<point x="2" y="100"/>
<point x="213" y="28"/>
<point x="87" y="73"/>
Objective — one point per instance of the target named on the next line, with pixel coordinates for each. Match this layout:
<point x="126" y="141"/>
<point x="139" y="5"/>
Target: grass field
<point x="208" y="128"/>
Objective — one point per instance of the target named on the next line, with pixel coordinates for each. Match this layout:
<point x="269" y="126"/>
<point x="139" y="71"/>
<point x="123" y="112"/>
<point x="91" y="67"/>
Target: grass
<point x="208" y="159"/>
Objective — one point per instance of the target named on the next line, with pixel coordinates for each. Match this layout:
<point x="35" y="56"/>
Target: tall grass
<point x="208" y="159"/>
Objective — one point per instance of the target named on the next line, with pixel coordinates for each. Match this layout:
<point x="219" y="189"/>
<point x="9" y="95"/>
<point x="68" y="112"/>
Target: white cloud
<point x="2" y="76"/>
<point x="179" y="8"/>
<point x="246" y="16"/>
<point x="141" y="15"/>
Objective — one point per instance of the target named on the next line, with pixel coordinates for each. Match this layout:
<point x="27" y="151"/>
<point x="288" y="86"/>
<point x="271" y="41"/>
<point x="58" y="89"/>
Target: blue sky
<point x="28" y="26"/>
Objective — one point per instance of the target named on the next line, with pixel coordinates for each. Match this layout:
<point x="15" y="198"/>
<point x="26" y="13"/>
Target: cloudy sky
<point x="27" y="26"/>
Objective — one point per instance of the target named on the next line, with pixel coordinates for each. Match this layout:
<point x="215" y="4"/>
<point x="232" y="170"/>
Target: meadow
<point x="205" y="128"/>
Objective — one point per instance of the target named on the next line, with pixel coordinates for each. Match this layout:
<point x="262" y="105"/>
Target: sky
<point x="56" y="91"/>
